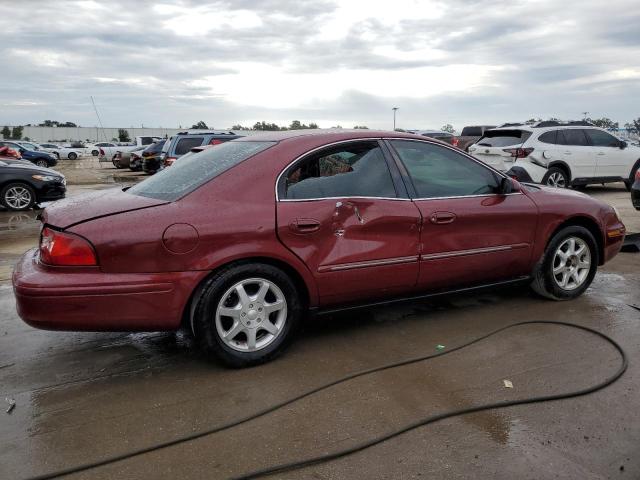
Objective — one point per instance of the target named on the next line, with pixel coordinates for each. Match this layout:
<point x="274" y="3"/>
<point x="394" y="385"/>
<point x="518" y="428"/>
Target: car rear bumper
<point x="59" y="298"/>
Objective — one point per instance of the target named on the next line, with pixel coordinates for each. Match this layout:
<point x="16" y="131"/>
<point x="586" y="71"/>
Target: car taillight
<point x="215" y="141"/>
<point x="101" y="152"/>
<point x="518" y="152"/>
<point x="169" y="161"/>
<point x="65" y="249"/>
<point x="454" y="142"/>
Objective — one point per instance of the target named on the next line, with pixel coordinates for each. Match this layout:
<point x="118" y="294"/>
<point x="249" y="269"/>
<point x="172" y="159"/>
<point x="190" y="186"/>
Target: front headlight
<point x="45" y="178"/>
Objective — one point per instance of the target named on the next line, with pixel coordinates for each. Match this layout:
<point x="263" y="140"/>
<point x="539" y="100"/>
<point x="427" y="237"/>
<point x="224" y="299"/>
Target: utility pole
<point x="395" y="109"/>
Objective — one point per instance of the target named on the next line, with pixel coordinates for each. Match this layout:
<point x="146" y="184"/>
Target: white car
<point x="559" y="154"/>
<point x="61" y="151"/>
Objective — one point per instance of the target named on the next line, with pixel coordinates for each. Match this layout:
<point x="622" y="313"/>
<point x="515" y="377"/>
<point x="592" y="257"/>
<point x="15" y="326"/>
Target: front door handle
<point x="304" y="225"/>
<point x="442" y="218"/>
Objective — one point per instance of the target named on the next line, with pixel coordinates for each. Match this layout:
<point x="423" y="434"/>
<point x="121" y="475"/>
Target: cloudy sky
<point x="344" y="62"/>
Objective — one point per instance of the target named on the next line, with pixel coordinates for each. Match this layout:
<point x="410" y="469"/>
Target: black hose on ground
<point x="377" y="440"/>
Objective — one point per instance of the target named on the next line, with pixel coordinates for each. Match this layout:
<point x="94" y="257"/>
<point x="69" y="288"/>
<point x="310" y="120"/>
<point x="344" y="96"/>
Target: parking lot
<point x="82" y="397"/>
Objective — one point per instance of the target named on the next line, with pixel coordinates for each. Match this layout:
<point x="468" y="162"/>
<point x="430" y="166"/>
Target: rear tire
<point x="42" y="163"/>
<point x="568" y="265"/>
<point x="17" y="196"/>
<point x="72" y="155"/>
<point x="247" y="314"/>
<point x="95" y="153"/>
<point x="556" y="177"/>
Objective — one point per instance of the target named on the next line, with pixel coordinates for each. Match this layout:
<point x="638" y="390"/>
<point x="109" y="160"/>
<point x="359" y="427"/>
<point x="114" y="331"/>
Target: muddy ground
<point x="84" y="396"/>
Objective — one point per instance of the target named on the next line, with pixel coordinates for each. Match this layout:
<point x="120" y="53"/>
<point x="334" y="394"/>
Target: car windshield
<point x="503" y="138"/>
<point x="188" y="174"/>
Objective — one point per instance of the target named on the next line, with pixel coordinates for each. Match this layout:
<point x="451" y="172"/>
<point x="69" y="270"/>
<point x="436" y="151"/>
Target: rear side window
<point x="471" y="132"/>
<point x="548" y="137"/>
<point x="188" y="174"/>
<point x="602" y="139"/>
<point x="575" y="137"/>
<point x="503" y="138"/>
<point x="437" y="171"/>
<point x="187" y="143"/>
<point x="355" y="169"/>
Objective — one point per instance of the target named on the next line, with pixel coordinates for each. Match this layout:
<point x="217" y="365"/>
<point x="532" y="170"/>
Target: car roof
<point x="327" y="135"/>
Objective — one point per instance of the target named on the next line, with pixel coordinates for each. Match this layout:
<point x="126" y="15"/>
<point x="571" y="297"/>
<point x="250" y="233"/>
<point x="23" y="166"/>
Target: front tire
<point x="247" y="314"/>
<point x="568" y="266"/>
<point x="556" y="177"/>
<point x="42" y="163"/>
<point x="72" y="156"/>
<point x="17" y="196"/>
<point x="95" y="153"/>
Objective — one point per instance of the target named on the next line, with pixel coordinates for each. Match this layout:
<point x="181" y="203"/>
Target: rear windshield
<point x="503" y="138"/>
<point x="197" y="169"/>
<point x="155" y="147"/>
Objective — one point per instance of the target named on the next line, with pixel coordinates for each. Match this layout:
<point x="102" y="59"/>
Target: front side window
<point x="575" y="137"/>
<point x="437" y="171"/>
<point x="355" y="169"/>
<point x="188" y="174"/>
<point x="187" y="143"/>
<point x="602" y="139"/>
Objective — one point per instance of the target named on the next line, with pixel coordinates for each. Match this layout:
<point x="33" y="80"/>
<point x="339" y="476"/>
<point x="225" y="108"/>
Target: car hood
<point x="34" y="169"/>
<point x="88" y="206"/>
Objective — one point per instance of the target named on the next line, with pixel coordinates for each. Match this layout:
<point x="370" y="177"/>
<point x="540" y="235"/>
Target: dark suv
<point x="183" y="143"/>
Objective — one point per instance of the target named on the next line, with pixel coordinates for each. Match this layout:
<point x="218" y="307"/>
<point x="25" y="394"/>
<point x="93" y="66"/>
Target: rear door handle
<point x="441" y="218"/>
<point x="304" y="225"/>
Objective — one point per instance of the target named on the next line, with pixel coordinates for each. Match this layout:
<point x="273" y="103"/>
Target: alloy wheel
<point x="571" y="263"/>
<point x="42" y="163"/>
<point x="557" y="180"/>
<point x="18" y="197"/>
<point x="251" y="315"/>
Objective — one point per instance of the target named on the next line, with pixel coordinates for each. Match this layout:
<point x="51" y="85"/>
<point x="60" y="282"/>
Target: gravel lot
<point x="83" y="396"/>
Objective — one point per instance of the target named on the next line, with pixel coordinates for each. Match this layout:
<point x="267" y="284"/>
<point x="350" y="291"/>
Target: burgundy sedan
<point x="241" y="241"/>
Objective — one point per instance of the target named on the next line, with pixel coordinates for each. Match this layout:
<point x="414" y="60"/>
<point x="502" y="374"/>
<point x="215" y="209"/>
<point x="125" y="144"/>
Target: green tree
<point x="360" y="127"/>
<point x="123" y="135"/>
<point x="533" y="120"/>
<point x="269" y="127"/>
<point x="296" y="125"/>
<point x="200" y="126"/>
<point x="448" y="128"/>
<point x="16" y="133"/>
<point x="239" y="127"/>
<point x="604" y="122"/>
<point x="400" y="130"/>
<point x="67" y="124"/>
<point x="6" y="132"/>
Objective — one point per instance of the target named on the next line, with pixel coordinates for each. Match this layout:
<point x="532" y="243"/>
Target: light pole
<point x="394" y="117"/>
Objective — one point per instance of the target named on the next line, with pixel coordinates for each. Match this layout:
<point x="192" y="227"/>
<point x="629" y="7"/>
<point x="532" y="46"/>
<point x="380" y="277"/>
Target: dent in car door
<point x="357" y="246"/>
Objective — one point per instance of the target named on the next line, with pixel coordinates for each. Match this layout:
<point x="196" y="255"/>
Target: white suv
<point x="558" y="154"/>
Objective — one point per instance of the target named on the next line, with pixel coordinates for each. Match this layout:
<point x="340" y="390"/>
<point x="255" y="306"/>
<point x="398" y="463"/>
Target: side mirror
<point x="506" y="186"/>
<point x="623" y="144"/>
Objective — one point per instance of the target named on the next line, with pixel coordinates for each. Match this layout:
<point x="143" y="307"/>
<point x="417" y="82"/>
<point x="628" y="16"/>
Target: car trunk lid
<point x="88" y="206"/>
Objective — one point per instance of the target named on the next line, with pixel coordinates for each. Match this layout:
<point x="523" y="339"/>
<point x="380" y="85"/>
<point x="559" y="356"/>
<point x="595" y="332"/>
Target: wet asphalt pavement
<point x="84" y="396"/>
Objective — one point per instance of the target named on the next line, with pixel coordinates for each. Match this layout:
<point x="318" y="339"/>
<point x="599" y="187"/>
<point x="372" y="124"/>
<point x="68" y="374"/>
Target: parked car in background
<point x="108" y="150"/>
<point x="22" y="186"/>
<point x="91" y="149"/>
<point x="301" y="221"/>
<point x="470" y="135"/>
<point x="29" y="145"/>
<point x="195" y="150"/>
<point x="437" y="134"/>
<point x="38" y="157"/>
<point x="185" y="141"/>
<point x="135" y="162"/>
<point x="66" y="151"/>
<point x="151" y="157"/>
<point x="559" y="154"/>
<point x="635" y="191"/>
<point x="123" y="159"/>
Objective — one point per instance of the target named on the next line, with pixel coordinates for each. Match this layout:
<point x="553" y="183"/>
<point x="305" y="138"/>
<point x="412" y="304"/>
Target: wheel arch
<point x="585" y="222"/>
<point x="298" y="279"/>
<point x="563" y="166"/>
